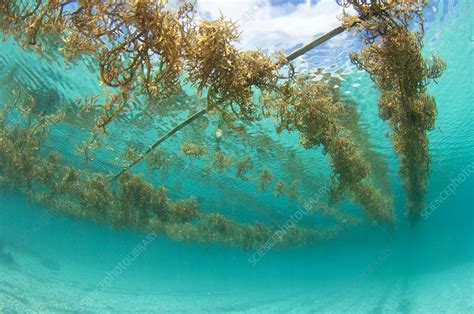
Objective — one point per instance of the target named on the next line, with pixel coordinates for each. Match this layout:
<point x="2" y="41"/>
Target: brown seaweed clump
<point x="351" y="119"/>
<point x="157" y="159"/>
<point x="396" y="65"/>
<point x="243" y="166"/>
<point x="227" y="74"/>
<point x="291" y="191"/>
<point x="185" y="210"/>
<point x="265" y="180"/>
<point x="95" y="197"/>
<point x="221" y="162"/>
<point x="312" y="109"/>
<point x="279" y="188"/>
<point x="193" y="150"/>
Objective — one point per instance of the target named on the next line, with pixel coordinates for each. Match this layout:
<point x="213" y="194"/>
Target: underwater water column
<point x="284" y="195"/>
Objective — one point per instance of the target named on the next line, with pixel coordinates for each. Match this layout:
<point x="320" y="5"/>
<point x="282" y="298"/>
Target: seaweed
<point x="131" y="154"/>
<point x="193" y="150"/>
<point x="221" y="162"/>
<point x="312" y="109"/>
<point x="291" y="191"/>
<point x="185" y="210"/>
<point x="69" y="181"/>
<point x="228" y="74"/>
<point x="279" y="188"/>
<point x="399" y="70"/>
<point x="265" y="179"/>
<point x="243" y="166"/>
<point x="95" y="197"/>
<point x="158" y="159"/>
<point x="359" y="134"/>
<point x="220" y="224"/>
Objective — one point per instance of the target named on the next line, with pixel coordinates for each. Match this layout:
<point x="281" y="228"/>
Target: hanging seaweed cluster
<point x="359" y="134"/>
<point x="312" y="109"/>
<point x="394" y="60"/>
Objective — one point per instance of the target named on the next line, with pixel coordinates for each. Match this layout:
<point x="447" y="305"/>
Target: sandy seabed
<point x="32" y="286"/>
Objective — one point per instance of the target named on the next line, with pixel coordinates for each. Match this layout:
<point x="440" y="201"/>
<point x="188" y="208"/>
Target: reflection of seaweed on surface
<point x="292" y="192"/>
<point x="38" y="101"/>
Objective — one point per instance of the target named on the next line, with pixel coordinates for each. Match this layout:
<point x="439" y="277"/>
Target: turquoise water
<point x="58" y="264"/>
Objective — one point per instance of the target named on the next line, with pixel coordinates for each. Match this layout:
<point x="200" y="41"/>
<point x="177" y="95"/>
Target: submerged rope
<point x="161" y="140"/>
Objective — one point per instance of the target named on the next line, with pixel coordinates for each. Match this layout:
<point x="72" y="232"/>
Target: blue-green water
<point x="58" y="264"/>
